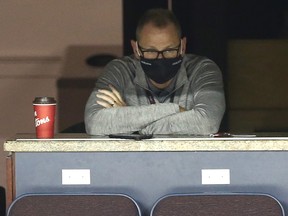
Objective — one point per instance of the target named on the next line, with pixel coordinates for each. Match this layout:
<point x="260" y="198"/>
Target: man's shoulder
<point x="192" y="58"/>
<point x="199" y="65"/>
<point x="124" y="66"/>
<point x="193" y="62"/>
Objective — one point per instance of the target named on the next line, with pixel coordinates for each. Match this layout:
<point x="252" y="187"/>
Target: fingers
<point x="117" y="94"/>
<point x="105" y="97"/>
<point x="104" y="104"/>
<point x="182" y="109"/>
<point x="109" y="98"/>
<point x="105" y="101"/>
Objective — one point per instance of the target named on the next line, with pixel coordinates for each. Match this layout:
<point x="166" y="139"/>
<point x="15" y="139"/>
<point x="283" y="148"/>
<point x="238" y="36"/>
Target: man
<point x="158" y="90"/>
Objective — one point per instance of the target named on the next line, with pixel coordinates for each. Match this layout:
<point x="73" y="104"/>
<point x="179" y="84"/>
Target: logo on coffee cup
<point x="39" y="122"/>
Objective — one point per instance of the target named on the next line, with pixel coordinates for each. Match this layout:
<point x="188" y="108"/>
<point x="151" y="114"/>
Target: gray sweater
<point x="198" y="89"/>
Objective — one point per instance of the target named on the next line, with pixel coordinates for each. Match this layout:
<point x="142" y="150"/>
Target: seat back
<point x="74" y="205"/>
<point x="2" y="201"/>
<point x="218" y="205"/>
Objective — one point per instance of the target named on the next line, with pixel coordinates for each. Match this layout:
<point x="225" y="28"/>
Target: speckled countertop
<point x="85" y="143"/>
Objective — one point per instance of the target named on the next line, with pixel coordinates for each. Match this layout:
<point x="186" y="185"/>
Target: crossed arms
<point x="112" y="110"/>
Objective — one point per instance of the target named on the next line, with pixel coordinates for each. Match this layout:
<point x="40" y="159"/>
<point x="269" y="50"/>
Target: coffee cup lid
<point x="44" y="100"/>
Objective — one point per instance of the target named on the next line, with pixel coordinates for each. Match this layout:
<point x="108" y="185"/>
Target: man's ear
<point x="183" y="48"/>
<point x="135" y="48"/>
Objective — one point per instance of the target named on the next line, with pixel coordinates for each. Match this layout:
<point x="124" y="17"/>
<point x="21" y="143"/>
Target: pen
<point x="225" y="134"/>
<point x="222" y="134"/>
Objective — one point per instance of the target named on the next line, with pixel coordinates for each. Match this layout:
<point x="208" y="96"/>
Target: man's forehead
<point x="158" y="28"/>
<point x="155" y="36"/>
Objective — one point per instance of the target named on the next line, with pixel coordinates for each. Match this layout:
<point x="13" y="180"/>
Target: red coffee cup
<point x="44" y="116"/>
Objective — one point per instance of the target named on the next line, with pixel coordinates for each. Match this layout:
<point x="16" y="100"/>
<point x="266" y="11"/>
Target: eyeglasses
<point x="154" y="54"/>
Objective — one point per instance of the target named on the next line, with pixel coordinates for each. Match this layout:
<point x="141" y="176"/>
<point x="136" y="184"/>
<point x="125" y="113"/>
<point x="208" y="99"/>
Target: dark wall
<point x="256" y="19"/>
<point x="204" y="25"/>
<point x="132" y="11"/>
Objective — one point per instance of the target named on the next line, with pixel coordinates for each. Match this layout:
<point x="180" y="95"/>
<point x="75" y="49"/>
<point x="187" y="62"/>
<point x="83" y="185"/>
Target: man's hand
<point x="182" y="109"/>
<point x="110" y="98"/>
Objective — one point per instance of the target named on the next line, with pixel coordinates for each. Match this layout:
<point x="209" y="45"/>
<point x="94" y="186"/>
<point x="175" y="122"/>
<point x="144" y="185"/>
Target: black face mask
<point x="161" y="70"/>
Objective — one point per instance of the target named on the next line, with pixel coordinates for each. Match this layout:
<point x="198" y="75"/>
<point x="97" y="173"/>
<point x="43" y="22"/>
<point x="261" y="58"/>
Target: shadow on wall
<point x="2" y="201"/>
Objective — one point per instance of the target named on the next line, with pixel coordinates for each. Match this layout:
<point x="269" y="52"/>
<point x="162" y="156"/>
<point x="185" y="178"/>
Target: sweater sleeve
<point x="125" y="119"/>
<point x="201" y="120"/>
